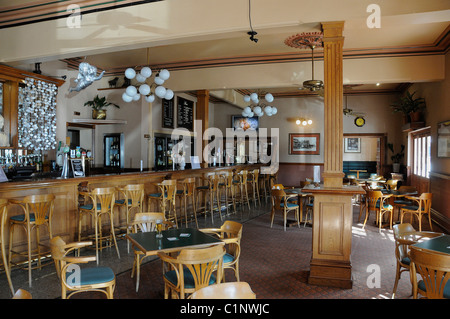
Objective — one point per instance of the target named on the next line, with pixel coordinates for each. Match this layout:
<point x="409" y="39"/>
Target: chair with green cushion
<point x="421" y="206"/>
<point x="192" y="269"/>
<point x="76" y="279"/>
<point x="211" y="190"/>
<point x="401" y="251"/>
<point x="166" y="197"/>
<point x="434" y="268"/>
<point x="280" y="202"/>
<point x="376" y="201"/>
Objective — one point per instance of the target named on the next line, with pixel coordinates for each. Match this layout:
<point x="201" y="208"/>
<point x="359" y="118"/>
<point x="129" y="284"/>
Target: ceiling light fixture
<point x="134" y="92"/>
<point x="251" y="33"/>
<point x="256" y="107"/>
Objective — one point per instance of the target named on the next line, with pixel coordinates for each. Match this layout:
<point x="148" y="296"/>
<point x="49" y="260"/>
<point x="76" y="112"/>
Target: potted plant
<point x="409" y="106"/>
<point x="396" y="157"/>
<point x="99" y="105"/>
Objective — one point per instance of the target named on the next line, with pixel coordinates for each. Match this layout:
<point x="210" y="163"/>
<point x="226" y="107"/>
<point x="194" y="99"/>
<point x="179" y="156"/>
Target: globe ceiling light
<point x="257" y="108"/>
<point x="145" y="86"/>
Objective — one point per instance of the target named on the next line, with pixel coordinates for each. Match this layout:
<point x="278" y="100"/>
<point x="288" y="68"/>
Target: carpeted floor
<point x="275" y="264"/>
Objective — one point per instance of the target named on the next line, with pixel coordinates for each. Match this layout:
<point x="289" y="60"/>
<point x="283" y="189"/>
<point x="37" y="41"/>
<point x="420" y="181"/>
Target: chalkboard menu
<point x="167" y="113"/>
<point x="185" y="117"/>
<point x="77" y="167"/>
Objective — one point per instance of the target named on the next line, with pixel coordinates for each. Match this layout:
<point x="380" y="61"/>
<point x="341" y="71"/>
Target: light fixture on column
<point x="257" y="107"/>
<point x="310" y="40"/>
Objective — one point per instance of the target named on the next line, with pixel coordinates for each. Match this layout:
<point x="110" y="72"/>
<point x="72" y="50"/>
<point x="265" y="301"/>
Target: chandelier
<point x="134" y="92"/>
<point x="308" y="40"/>
<point x="258" y="108"/>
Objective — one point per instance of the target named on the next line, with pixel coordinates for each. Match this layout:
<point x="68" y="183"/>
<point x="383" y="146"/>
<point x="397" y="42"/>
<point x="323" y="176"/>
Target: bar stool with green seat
<point x="3" y="221"/>
<point x="102" y="203"/>
<point x="38" y="212"/>
<point x="241" y="182"/>
<point x="211" y="190"/>
<point x="166" y="197"/>
<point x="229" y="187"/>
<point x="253" y="181"/>
<point x="188" y="191"/>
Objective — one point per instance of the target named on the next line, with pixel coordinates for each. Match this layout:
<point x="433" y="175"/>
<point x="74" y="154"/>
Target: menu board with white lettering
<point x="167" y="113"/>
<point x="77" y="167"/>
<point x="185" y="117"/>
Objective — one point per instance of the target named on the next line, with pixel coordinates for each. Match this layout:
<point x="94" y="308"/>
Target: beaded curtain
<point x="37" y="115"/>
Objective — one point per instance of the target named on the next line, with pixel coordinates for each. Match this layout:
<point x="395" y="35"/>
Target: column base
<point x="331" y="273"/>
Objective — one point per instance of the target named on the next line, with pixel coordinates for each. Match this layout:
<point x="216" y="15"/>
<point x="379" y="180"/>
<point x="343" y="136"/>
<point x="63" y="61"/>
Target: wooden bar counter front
<point x="65" y="216"/>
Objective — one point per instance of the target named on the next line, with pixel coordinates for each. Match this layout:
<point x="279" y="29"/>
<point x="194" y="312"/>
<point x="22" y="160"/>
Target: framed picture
<point x="443" y="139"/>
<point x="304" y="144"/>
<point x="352" y="145"/>
<point x="242" y="123"/>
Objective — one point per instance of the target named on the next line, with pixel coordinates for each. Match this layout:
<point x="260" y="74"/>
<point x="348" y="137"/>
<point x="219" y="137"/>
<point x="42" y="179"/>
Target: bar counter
<point x="65" y="217"/>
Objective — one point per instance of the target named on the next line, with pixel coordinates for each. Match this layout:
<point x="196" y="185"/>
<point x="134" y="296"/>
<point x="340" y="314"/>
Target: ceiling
<point x="420" y="28"/>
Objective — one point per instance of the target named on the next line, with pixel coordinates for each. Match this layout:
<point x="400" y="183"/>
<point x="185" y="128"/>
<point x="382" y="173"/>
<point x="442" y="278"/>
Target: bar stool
<point x="166" y="198"/>
<point x="188" y="191"/>
<point x="103" y="200"/>
<point x="3" y="220"/>
<point x="229" y="188"/>
<point x="241" y="182"/>
<point x="134" y="198"/>
<point x="252" y="180"/>
<point x="211" y="190"/>
<point x="38" y="211"/>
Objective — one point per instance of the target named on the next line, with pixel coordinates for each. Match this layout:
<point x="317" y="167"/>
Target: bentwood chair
<point x="211" y="191"/>
<point x="229" y="187"/>
<point x="102" y="203"/>
<point x="3" y="221"/>
<point x="76" y="279"/>
<point x="38" y="212"/>
<point x="227" y="290"/>
<point x="145" y="222"/>
<point x="188" y="191"/>
<point x="421" y="206"/>
<point x="252" y="180"/>
<point x="399" y="202"/>
<point x="22" y="294"/>
<point x="280" y="202"/>
<point x="401" y="251"/>
<point x="377" y="202"/>
<point x="191" y="270"/>
<point x="133" y="200"/>
<point x="230" y="233"/>
<point x="434" y="268"/>
<point x="166" y="198"/>
<point x="240" y="181"/>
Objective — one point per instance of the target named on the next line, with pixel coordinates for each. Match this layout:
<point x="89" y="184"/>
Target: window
<point x="421" y="165"/>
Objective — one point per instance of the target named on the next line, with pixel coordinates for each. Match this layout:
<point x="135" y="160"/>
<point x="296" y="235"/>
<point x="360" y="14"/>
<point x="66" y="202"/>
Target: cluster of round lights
<point x="133" y="93"/>
<point x="259" y="109"/>
<point x="303" y="122"/>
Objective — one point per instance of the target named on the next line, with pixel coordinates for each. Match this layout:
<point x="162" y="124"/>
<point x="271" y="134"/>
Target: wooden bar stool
<point x="3" y="221"/>
<point x="38" y="211"/>
<point x="253" y="181"/>
<point x="211" y="190"/>
<point x="229" y="187"/>
<point x="133" y="200"/>
<point x="241" y="183"/>
<point x="103" y="200"/>
<point x="188" y="191"/>
<point x="166" y="198"/>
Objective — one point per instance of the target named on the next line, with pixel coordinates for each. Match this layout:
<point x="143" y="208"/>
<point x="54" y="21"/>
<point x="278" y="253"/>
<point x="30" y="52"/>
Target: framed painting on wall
<point x="352" y="145"/>
<point x="304" y="144"/>
<point x="443" y="139"/>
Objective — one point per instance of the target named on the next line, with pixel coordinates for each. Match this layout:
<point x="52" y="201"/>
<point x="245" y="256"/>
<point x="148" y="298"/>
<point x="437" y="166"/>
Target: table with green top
<point x="440" y="244"/>
<point x="147" y="244"/>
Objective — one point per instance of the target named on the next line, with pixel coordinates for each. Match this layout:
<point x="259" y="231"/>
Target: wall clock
<point x="360" y="121"/>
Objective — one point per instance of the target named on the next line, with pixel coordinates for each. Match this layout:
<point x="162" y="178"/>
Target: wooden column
<point x="332" y="217"/>
<point x="202" y="114"/>
<point x="333" y="86"/>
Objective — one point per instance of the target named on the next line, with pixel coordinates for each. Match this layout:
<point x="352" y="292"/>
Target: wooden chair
<point x="228" y="290"/>
<point x="38" y="212"/>
<point x="191" y="270"/>
<point x="166" y="198"/>
<point x="421" y="207"/>
<point x="240" y="181"/>
<point x="76" y="279"/>
<point x="229" y="187"/>
<point x="22" y="294"/>
<point x="188" y="191"/>
<point x="230" y="233"/>
<point x="399" y="202"/>
<point x="211" y="191"/>
<point x="391" y="184"/>
<point x="280" y="202"/>
<point x="102" y="203"/>
<point x="378" y="202"/>
<point x="434" y="268"/>
<point x="401" y="252"/>
<point x="133" y="200"/>
<point x="252" y="180"/>
<point x="3" y="221"/>
<point x="145" y="222"/>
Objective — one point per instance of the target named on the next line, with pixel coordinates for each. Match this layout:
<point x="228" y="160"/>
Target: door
<point x="419" y="159"/>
